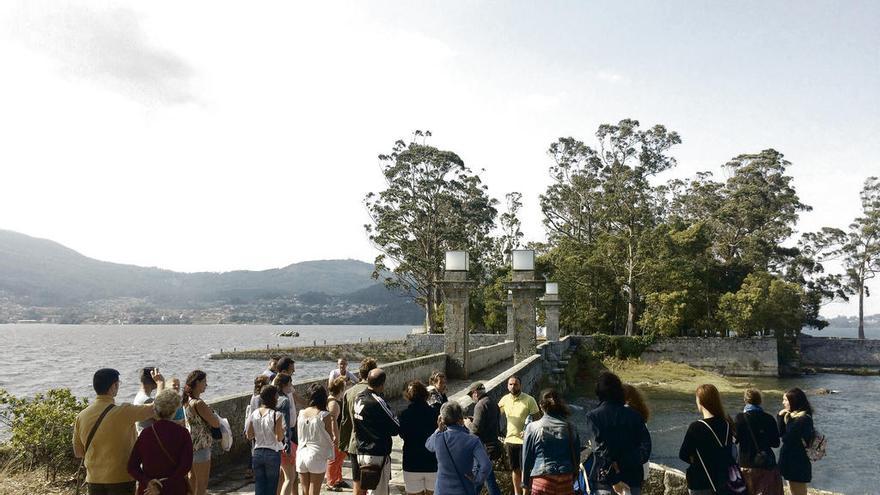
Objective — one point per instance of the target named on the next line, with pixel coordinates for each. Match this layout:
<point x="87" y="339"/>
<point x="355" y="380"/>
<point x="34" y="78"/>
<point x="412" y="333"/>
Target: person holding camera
<point x="104" y="434"/>
<point x="145" y="395"/>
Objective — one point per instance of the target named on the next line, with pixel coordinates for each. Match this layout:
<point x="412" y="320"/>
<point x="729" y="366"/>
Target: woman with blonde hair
<point x="707" y="444"/>
<point x="163" y="453"/>
<point x="634" y="399"/>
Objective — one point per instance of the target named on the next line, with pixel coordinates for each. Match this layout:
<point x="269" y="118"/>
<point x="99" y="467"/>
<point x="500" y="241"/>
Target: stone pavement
<point x="234" y="482"/>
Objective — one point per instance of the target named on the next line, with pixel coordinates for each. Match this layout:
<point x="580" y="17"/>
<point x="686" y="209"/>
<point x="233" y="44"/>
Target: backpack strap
<point x="95" y="428"/>
<point x="726" y="435"/>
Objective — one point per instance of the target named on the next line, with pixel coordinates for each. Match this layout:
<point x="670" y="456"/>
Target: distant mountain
<point x="39" y="272"/>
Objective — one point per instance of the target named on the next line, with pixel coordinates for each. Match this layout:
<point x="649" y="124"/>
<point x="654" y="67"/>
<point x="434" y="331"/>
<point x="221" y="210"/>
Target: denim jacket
<point x="551" y="445"/>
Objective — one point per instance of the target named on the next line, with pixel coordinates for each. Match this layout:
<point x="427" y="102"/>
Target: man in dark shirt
<point x="486" y="426"/>
<point x="347" y="436"/>
<point x="374" y="425"/>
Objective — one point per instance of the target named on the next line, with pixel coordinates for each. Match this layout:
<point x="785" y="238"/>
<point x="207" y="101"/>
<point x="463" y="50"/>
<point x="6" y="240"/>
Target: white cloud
<point x="612" y="77"/>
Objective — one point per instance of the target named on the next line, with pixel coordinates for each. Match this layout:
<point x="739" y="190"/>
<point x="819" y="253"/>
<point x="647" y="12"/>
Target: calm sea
<point x="34" y="358"/>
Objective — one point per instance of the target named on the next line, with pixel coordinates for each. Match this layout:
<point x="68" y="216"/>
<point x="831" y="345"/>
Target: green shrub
<point x="621" y="346"/>
<point x="42" y="429"/>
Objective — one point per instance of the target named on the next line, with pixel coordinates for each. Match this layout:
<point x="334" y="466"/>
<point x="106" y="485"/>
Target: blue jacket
<point x="551" y="445"/>
<point x="459" y="452"/>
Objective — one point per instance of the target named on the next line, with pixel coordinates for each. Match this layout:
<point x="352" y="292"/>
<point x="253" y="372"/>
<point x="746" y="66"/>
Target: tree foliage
<point x="432" y="203"/>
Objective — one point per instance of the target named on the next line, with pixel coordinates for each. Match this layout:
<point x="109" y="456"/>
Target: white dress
<point x="315" y="446"/>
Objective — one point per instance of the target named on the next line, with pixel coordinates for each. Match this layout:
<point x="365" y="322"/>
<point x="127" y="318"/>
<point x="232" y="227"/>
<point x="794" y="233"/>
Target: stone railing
<point x="485" y="357"/>
<point x="429" y="343"/>
<point x="529" y="371"/>
<point x="839" y="353"/>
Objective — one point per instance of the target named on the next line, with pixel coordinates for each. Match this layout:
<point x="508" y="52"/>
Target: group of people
<point x="161" y="443"/>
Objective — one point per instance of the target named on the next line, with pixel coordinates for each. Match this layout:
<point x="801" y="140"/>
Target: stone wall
<point x="429" y="343"/>
<point x="839" y="353"/>
<point x="529" y="371"/>
<point x="484" y="357"/>
<point x="730" y="356"/>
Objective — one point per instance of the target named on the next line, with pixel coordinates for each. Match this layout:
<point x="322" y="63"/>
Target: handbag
<point x="762" y="460"/>
<point x="734" y="483"/>
<point x="216" y="433"/>
<point x="81" y="470"/>
<point x="371" y="474"/>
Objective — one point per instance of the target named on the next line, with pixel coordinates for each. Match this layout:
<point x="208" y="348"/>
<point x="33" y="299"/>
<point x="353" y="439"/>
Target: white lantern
<point x="457" y="261"/>
<point x="551" y="288"/>
<point x="523" y="259"/>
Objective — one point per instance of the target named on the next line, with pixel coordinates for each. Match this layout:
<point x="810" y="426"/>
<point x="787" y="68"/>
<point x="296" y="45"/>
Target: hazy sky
<point x="217" y="136"/>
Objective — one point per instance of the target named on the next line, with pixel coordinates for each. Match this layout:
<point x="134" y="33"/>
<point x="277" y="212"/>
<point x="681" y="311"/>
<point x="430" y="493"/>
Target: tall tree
<point x="432" y="203"/>
<point x="858" y="248"/>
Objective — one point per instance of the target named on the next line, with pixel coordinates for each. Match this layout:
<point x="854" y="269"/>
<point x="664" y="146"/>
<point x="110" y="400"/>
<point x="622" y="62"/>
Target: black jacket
<point x="793" y="461"/>
<point x="763" y="427"/>
<point x="487" y="421"/>
<point x="702" y="452"/>
<point x="417" y="422"/>
<point x="374" y="424"/>
<point x="620" y="433"/>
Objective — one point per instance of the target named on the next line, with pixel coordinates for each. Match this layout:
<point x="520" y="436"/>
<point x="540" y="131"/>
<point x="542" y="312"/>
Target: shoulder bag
<point x="734" y="483"/>
<point x="189" y="487"/>
<point x="371" y="474"/>
<point x="816" y="448"/>
<point x="216" y="433"/>
<point x="81" y="470"/>
<point x="762" y="460"/>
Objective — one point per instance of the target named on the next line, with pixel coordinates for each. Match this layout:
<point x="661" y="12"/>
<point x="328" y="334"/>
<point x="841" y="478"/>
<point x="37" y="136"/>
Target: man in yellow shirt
<point x="516" y="407"/>
<point x="106" y="457"/>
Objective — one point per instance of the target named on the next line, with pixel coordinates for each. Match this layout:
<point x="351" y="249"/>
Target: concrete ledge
<point x="488" y="356"/>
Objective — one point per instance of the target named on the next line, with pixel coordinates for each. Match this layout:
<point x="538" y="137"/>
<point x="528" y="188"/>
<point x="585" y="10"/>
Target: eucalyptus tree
<point x="857" y="248"/>
<point x="432" y="203"/>
<point x="602" y="201"/>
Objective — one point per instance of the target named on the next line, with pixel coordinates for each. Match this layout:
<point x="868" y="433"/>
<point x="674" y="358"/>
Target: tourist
<point x="633" y="398"/>
<point x="374" y="425"/>
<point x="706" y="444"/>
<point x="334" y="407"/>
<point x="145" y="396"/>
<point x="266" y="429"/>
<point x="551" y="449"/>
<point x="795" y="422"/>
<point x="163" y="454"/>
<point x="287" y="407"/>
<point x="417" y="422"/>
<point x="486" y="425"/>
<point x="437" y="390"/>
<point x="757" y="436"/>
<point x="347" y="435"/>
<point x="341" y="370"/>
<point x="517" y="406"/>
<point x="316" y="433"/>
<point x="200" y="419"/>
<point x="620" y="440"/>
<point x="462" y="462"/>
<point x="271" y="369"/>
<point x="259" y="382"/>
<point x="111" y="427"/>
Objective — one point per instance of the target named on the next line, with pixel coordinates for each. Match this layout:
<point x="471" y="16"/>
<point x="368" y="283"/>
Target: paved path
<point x="236" y="483"/>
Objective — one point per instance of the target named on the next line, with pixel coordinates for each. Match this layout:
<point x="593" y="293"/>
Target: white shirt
<point x="351" y="378"/>
<point x="139" y="400"/>
<point x="264" y="430"/>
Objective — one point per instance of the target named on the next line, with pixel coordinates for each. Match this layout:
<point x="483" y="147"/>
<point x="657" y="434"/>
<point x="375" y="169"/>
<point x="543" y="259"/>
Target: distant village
<point x="292" y="310"/>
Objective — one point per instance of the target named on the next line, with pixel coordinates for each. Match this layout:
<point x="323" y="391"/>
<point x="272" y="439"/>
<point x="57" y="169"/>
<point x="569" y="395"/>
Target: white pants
<point x="376" y="460"/>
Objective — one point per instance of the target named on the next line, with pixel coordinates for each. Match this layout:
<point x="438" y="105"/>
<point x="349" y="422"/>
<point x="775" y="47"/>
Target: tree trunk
<point x="430" y="317"/>
<point x="862" y="311"/>
<point x="630" y="316"/>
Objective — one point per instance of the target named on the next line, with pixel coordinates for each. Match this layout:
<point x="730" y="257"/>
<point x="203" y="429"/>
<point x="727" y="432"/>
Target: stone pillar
<point x="551" y="305"/>
<point x="524" y="300"/>
<point x="508" y="306"/>
<point x="456" y="297"/>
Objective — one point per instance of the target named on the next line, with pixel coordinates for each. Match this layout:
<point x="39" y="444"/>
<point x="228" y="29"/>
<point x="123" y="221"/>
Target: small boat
<point x="289" y="333"/>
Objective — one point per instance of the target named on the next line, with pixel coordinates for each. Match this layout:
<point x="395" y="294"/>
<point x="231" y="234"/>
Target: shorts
<point x="419" y="482"/>
<point x="289" y="459"/>
<point x="355" y="467"/>
<point x="312" y="461"/>
<point x="202" y="455"/>
<point x="514" y="455"/>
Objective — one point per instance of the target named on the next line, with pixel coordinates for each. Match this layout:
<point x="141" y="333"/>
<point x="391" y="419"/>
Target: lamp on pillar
<point x="551" y="304"/>
<point x="456" y="295"/>
<point x="524" y="291"/>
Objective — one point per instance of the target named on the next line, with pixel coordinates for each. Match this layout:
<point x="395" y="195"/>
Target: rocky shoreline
<point x="383" y="351"/>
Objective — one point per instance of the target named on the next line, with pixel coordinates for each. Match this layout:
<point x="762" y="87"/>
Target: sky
<point x="210" y="136"/>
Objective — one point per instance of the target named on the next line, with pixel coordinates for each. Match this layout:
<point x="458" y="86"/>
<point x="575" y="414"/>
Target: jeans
<point x="266" y="464"/>
<point x="492" y="484"/>
<point x="126" y="488"/>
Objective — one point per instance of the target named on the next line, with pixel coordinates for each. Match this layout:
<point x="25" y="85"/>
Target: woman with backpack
<point x="795" y="422"/>
<point x="758" y="435"/>
<point x="707" y="446"/>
